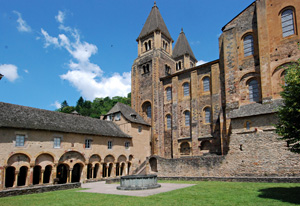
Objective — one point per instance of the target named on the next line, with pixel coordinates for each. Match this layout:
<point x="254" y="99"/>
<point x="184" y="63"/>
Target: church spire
<point x="182" y="47"/>
<point x="154" y="22"/>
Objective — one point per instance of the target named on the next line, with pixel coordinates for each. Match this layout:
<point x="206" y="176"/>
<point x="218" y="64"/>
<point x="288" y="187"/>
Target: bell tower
<point x="153" y="61"/>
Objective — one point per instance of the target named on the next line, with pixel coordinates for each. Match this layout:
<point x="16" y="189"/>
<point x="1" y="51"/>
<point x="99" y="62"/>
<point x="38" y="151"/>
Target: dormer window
<point x="133" y="116"/>
<point x="118" y="116"/>
<point x="165" y="45"/>
<point x="178" y="65"/>
<point x="167" y="69"/>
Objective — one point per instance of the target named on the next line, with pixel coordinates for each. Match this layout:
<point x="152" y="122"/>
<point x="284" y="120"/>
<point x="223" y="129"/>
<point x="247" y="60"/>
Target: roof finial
<point x="154" y="3"/>
<point x="181" y="29"/>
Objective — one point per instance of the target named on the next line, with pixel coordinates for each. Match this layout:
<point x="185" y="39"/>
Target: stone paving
<point x="101" y="187"/>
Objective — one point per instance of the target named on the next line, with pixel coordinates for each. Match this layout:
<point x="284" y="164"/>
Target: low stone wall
<point x="38" y="189"/>
<point x="237" y="179"/>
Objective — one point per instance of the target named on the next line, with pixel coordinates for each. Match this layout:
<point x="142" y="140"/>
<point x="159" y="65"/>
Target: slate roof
<point x="127" y="112"/>
<point x="256" y="109"/>
<point x="16" y="116"/>
<point x="182" y="47"/>
<point x="154" y="22"/>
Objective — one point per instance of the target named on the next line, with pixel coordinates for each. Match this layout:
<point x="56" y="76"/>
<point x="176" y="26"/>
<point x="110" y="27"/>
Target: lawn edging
<point x="38" y="189"/>
<point x="237" y="179"/>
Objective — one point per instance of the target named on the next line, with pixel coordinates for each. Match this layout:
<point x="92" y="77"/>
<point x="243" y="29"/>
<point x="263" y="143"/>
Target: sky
<point x="56" y="50"/>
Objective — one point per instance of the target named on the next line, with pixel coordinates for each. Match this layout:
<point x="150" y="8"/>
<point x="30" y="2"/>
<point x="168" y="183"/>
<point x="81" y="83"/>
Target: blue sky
<point x="56" y="50"/>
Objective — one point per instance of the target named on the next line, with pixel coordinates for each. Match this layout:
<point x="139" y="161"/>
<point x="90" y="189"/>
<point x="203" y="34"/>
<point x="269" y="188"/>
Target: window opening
<point x="186" y="89"/>
<point x="287" y="23"/>
<point x="206" y="84"/>
<point x="20" y="140"/>
<point x="248" y="45"/>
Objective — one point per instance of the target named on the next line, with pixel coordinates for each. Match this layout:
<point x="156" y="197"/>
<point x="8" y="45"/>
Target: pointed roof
<point x="128" y="113"/>
<point x="154" y="22"/>
<point x="182" y="47"/>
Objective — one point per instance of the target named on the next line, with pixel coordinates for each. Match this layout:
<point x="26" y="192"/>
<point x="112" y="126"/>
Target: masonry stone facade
<point x="217" y="119"/>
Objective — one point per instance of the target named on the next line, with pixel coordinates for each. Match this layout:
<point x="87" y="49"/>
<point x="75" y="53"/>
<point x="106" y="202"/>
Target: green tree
<point x="64" y="104"/>
<point x="288" y="125"/>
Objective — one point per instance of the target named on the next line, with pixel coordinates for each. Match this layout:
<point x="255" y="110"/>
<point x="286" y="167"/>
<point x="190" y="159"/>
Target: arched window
<point x="207" y="115"/>
<point x="149" y="111"/>
<point x="169" y="121"/>
<point x="149" y="44"/>
<point x="248" y="45"/>
<point x="146" y="46"/>
<point x="186" y="89"/>
<point x="187" y="118"/>
<point x="287" y="23"/>
<point x="169" y="93"/>
<point x="206" y="84"/>
<point x="253" y="91"/>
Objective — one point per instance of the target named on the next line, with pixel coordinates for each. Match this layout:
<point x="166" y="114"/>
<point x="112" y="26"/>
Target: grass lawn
<point x="203" y="193"/>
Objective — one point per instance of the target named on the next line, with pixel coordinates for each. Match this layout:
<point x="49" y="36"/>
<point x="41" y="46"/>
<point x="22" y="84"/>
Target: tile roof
<point x="128" y="113"/>
<point x="182" y="47"/>
<point x="154" y="22"/>
<point x="22" y="117"/>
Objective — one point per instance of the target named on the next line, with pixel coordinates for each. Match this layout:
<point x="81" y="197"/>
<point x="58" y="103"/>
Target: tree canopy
<point x="288" y="125"/>
<point x="95" y="108"/>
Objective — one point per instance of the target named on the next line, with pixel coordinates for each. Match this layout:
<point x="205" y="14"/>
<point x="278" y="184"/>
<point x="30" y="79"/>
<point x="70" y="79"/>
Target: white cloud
<point x="56" y="104"/>
<point x="85" y="76"/>
<point x="23" y="26"/>
<point x="200" y="62"/>
<point x="60" y="17"/>
<point x="49" y="39"/>
<point x="26" y="71"/>
<point x="9" y="71"/>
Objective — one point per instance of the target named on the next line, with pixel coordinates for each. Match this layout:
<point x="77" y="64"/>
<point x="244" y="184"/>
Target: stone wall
<point x="256" y="151"/>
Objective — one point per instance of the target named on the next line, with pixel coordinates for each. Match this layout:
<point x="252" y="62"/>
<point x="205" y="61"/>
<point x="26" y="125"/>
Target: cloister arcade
<point x="72" y="166"/>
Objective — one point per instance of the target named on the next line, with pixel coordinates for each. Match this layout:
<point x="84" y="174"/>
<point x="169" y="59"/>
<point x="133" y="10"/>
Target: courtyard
<point x="201" y="193"/>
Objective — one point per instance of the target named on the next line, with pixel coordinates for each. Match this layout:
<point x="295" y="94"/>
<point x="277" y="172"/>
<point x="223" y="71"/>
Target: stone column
<point x="16" y="178"/>
<point x="113" y="171"/>
<point x="53" y="174"/>
<point x="93" y="172"/>
<point x="107" y="166"/>
<point x="83" y="175"/>
<point x="42" y="176"/>
<point x="69" y="178"/>
<point x="29" y="176"/>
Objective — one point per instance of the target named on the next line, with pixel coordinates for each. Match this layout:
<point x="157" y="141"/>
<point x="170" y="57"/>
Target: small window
<point x="206" y="84"/>
<point x="248" y="125"/>
<point x="248" y="46"/>
<point x="56" y="142"/>
<point x="88" y="143"/>
<point x="127" y="145"/>
<point x="109" y="145"/>
<point x="169" y="93"/>
<point x="178" y="65"/>
<point x="287" y="23"/>
<point x="207" y="115"/>
<point x="149" y="111"/>
<point x="253" y="91"/>
<point x="186" y="89"/>
<point x="20" y="140"/>
<point x="118" y="116"/>
<point x="167" y="69"/>
<point x="109" y="118"/>
<point x="169" y="121"/>
<point x="149" y="44"/>
<point x="140" y="129"/>
<point x="187" y="118"/>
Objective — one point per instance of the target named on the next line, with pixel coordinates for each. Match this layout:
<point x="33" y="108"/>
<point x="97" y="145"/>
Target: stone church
<point x="225" y="107"/>
<point x="214" y="119"/>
